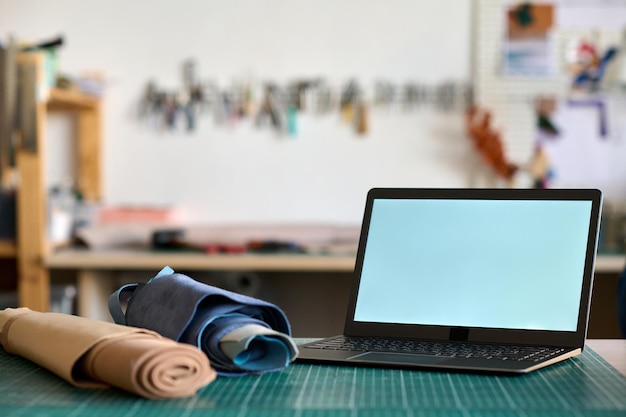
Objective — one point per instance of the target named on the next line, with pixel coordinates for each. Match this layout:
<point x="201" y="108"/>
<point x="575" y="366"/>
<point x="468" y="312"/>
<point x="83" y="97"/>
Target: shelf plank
<point x="71" y="100"/>
<point x="137" y="259"/>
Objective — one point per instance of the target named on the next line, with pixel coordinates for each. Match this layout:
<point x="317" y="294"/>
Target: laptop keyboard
<point x="447" y="349"/>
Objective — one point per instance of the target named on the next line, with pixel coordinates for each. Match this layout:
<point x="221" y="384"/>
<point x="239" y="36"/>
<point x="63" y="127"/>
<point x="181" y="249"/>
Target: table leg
<point x="94" y="289"/>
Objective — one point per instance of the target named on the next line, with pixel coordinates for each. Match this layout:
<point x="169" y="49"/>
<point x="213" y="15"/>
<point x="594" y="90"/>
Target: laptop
<point x="486" y="280"/>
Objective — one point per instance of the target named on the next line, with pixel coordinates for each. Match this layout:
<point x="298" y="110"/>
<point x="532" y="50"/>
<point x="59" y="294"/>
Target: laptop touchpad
<point x="399" y="358"/>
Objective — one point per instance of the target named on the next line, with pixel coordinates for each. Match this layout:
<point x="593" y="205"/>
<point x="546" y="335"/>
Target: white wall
<point x="245" y="174"/>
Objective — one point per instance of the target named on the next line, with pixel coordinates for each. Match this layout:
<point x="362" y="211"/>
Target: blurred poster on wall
<point x="528" y="46"/>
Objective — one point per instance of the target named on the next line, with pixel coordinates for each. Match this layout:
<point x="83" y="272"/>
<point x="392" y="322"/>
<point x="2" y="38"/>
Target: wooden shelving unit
<point x="31" y="244"/>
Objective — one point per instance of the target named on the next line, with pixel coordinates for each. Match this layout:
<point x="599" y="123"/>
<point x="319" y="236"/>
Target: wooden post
<point x="33" y="281"/>
<point x="89" y="153"/>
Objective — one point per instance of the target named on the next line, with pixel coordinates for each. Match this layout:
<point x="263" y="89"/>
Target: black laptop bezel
<point x="484" y="335"/>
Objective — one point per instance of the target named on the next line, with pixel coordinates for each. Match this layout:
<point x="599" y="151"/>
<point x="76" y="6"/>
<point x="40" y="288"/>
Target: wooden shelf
<point x="138" y="259"/>
<point x="86" y="109"/>
<point x="141" y="259"/>
<point x="70" y="100"/>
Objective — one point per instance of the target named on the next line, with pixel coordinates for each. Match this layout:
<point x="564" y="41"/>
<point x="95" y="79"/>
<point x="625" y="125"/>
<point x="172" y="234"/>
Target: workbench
<point x="587" y="385"/>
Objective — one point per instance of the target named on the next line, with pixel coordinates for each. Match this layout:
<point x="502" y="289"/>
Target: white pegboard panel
<point x="511" y="98"/>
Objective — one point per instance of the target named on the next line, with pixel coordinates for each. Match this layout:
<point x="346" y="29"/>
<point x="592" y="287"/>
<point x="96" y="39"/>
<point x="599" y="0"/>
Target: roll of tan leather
<point x="96" y="354"/>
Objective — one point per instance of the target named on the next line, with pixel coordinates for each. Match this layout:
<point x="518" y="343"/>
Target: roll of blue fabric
<point x="240" y="334"/>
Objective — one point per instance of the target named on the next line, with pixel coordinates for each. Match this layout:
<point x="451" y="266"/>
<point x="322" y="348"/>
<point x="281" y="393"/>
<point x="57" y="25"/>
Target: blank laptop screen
<point x="475" y="263"/>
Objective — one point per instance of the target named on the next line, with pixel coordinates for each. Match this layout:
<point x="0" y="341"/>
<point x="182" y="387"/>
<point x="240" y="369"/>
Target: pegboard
<point x="511" y="98"/>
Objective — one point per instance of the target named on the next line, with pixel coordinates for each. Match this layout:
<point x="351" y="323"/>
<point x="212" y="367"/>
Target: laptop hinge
<point x="459" y="334"/>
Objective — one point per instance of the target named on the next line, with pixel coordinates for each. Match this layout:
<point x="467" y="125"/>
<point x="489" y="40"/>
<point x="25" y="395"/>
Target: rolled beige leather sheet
<point x="97" y="354"/>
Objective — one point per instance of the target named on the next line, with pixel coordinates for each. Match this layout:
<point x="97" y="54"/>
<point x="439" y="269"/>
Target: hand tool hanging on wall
<point x="280" y="107"/>
<point x="8" y="97"/>
<point x="49" y="44"/>
<point x="353" y="107"/>
<point x="361" y="118"/>
<point x="349" y="96"/>
<point x="384" y="94"/>
<point x="324" y="98"/>
<point x="488" y="143"/>
<point x="413" y="96"/>
<point x="19" y="97"/>
<point x="446" y="96"/>
<point x="272" y="108"/>
<point x="27" y="108"/>
<point x="163" y="108"/>
<point x="151" y="104"/>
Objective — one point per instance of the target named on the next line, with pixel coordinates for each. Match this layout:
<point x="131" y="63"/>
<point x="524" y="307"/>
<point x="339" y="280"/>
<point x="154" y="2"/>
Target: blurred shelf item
<point x="610" y="264"/>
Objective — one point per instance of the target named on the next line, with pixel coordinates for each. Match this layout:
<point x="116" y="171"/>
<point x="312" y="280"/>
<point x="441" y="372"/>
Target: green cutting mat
<point x="583" y="386"/>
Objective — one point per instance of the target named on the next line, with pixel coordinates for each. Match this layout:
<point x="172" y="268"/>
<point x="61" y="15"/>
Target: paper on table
<point x="96" y="354"/>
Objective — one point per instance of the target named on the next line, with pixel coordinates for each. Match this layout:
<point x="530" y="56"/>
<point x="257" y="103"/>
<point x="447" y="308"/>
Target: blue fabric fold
<point x="621" y="302"/>
<point x="183" y="309"/>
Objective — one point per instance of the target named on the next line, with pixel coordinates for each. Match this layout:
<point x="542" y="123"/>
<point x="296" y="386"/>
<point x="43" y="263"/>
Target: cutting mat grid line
<point x="583" y="386"/>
